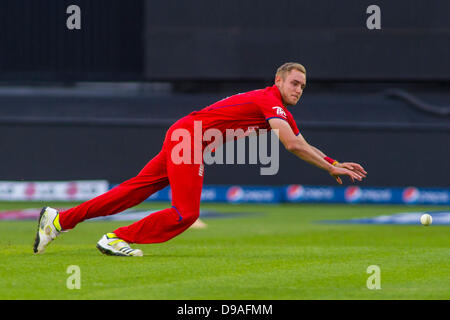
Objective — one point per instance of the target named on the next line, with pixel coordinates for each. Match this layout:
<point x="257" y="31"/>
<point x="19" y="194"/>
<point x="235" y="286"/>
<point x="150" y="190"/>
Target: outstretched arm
<point x="320" y="153"/>
<point x="298" y="146"/>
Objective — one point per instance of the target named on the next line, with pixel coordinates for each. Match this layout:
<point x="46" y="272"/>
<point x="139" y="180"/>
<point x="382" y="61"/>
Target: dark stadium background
<point x="95" y="103"/>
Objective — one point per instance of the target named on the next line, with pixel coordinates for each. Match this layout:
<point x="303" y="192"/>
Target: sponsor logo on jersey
<point x="280" y="111"/>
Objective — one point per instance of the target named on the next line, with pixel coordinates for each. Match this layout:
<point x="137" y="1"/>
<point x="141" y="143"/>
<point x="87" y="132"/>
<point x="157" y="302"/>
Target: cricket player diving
<point x="261" y="109"/>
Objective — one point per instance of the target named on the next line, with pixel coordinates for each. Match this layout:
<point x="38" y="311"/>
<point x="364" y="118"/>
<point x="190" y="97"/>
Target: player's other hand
<point x="355" y="167"/>
<point x="337" y="172"/>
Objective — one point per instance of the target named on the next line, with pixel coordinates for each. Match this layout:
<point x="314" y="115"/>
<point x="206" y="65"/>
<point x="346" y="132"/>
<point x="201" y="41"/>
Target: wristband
<point x="331" y="161"/>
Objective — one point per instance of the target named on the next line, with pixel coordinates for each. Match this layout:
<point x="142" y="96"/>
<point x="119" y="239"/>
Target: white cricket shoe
<point x="111" y="245"/>
<point x="198" y="224"/>
<point x="48" y="229"/>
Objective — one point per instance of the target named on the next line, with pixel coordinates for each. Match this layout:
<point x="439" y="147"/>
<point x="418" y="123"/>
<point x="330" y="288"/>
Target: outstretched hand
<point x="353" y="170"/>
<point x="355" y="167"/>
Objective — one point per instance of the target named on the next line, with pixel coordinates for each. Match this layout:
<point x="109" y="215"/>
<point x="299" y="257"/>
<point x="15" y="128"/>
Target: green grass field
<point x="274" y="252"/>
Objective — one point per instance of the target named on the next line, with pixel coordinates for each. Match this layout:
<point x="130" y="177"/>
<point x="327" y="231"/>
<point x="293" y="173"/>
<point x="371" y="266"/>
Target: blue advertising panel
<point x="316" y="194"/>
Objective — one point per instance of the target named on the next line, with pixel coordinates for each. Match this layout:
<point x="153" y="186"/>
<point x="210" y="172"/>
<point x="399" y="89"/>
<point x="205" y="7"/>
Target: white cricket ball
<point x="426" y="219"/>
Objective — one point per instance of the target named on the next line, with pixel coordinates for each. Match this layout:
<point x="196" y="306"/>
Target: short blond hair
<point x="288" y="67"/>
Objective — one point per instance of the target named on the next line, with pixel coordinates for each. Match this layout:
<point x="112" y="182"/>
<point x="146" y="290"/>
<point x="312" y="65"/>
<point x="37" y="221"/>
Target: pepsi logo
<point x="235" y="194"/>
<point x="352" y="194"/>
<point x="30" y="190"/>
<point x="294" y="191"/>
<point x="72" y="189"/>
<point x="410" y="195"/>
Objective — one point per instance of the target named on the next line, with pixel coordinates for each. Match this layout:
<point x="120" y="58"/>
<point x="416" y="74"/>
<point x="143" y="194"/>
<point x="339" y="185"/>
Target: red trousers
<point x="185" y="179"/>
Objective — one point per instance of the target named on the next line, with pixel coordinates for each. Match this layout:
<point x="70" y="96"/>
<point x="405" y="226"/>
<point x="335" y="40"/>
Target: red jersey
<point x="249" y="111"/>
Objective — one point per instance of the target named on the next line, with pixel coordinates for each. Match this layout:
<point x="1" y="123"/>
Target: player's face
<point x="291" y="87"/>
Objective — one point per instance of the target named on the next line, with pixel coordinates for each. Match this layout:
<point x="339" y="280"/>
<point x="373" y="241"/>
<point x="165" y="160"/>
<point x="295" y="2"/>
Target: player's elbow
<point x="294" y="147"/>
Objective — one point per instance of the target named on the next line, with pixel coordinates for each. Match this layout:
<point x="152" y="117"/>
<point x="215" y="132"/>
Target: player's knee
<point x="189" y="216"/>
<point x="192" y="216"/>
